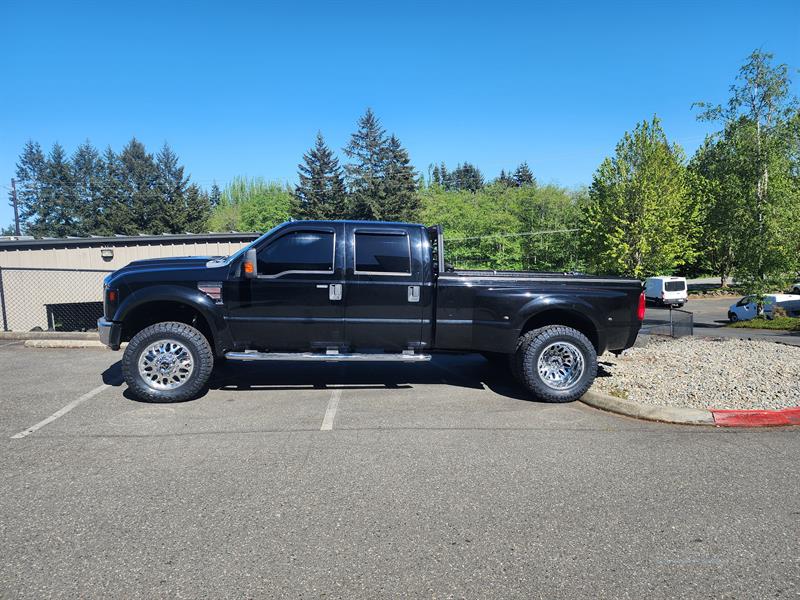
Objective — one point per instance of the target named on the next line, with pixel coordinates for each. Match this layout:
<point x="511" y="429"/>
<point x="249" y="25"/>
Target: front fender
<point x="184" y="295"/>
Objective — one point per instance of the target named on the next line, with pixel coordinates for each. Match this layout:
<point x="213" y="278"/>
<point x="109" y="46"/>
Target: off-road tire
<point x="194" y="341"/>
<point x="530" y="347"/>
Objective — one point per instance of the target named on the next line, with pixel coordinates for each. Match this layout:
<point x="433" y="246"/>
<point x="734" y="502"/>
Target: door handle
<point x="413" y="293"/>
<point x="335" y="291"/>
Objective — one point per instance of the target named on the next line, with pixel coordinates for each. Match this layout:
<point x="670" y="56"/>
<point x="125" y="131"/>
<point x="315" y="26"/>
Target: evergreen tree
<point x="215" y="196"/>
<point x="59" y="203"/>
<point x="506" y="179"/>
<point x="465" y="177"/>
<point x="197" y="209"/>
<point x="523" y="176"/>
<point x="172" y="188"/>
<point x="320" y="193"/>
<point x="436" y="176"/>
<point x="365" y="172"/>
<point x="140" y="189"/>
<point x="401" y="201"/>
<point x="29" y="178"/>
<point x="116" y="214"/>
<point x="446" y="178"/>
<point x="87" y="171"/>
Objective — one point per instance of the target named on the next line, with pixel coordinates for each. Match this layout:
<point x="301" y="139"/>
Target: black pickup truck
<point x="358" y="291"/>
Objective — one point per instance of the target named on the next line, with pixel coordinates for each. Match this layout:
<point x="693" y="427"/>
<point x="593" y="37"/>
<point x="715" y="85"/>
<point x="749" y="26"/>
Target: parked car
<point x="747" y="308"/>
<point x="333" y="291"/>
<point x="796" y="288"/>
<point x="666" y="291"/>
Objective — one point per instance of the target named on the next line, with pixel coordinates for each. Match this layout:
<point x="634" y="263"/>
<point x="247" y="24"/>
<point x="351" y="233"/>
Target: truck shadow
<point x="465" y="371"/>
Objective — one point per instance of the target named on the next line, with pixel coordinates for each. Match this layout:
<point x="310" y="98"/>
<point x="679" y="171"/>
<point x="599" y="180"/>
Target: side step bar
<point x="249" y="355"/>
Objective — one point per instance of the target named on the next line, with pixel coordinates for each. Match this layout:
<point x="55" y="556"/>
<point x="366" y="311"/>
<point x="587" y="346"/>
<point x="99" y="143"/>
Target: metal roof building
<point x="56" y="283"/>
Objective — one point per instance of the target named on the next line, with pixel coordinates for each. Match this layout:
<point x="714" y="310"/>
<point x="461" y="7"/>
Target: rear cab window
<point x="382" y="253"/>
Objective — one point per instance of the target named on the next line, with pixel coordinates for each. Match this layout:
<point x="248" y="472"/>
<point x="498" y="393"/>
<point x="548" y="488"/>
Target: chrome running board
<point x="249" y="355"/>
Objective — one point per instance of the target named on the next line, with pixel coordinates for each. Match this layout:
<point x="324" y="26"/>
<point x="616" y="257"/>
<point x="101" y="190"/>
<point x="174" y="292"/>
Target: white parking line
<point x="61" y="412"/>
<point x="330" y="412"/>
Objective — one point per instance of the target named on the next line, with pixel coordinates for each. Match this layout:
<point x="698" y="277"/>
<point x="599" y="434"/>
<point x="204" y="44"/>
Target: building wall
<point x="34" y="280"/>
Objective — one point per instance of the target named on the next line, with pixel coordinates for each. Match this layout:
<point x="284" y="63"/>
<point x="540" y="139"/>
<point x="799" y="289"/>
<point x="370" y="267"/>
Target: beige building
<point x="57" y="283"/>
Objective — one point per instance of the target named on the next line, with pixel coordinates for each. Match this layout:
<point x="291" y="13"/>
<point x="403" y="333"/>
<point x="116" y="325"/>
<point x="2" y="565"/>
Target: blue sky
<point x="241" y="88"/>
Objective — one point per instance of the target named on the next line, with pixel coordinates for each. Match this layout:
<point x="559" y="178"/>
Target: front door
<point x="384" y="292"/>
<point x="295" y="303"/>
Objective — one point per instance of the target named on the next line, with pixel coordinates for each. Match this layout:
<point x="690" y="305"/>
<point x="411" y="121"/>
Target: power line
<point x="504" y="235"/>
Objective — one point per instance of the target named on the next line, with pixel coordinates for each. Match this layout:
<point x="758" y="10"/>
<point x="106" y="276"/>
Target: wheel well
<point x="569" y="319"/>
<point x="151" y="313"/>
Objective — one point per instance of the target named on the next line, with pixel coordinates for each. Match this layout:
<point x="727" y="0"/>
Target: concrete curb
<point x="48" y="335"/>
<point x="65" y="344"/>
<point x="693" y="416"/>
<point x="665" y="414"/>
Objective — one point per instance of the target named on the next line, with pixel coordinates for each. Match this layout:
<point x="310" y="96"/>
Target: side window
<point x="383" y="253"/>
<point x="297" y="251"/>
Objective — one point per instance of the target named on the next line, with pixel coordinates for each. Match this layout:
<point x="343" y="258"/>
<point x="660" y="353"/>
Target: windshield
<point x="241" y="251"/>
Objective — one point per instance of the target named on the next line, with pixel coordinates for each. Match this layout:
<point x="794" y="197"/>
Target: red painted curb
<point x="756" y="418"/>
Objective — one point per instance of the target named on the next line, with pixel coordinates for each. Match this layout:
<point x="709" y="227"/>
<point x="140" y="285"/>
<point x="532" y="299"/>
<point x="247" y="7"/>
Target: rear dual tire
<point x="555" y="363"/>
<point x="167" y="362"/>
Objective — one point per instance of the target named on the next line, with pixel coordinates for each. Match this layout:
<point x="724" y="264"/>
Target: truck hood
<point x="179" y="262"/>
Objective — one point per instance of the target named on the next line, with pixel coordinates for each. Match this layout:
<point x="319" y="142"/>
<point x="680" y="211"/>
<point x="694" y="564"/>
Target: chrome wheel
<point x="560" y="365"/>
<point x="166" y="365"/>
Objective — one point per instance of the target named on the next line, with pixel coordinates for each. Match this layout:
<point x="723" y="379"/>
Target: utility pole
<point x="16" y="210"/>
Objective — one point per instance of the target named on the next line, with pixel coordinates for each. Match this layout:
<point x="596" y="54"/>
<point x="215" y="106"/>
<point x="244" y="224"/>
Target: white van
<point x="747" y="308"/>
<point x="668" y="291"/>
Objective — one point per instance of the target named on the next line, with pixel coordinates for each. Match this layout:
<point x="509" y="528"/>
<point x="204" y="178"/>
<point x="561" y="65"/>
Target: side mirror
<point x="250" y="264"/>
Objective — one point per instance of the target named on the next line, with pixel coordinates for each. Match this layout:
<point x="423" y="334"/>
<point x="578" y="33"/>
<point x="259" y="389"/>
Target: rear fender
<point x="577" y="307"/>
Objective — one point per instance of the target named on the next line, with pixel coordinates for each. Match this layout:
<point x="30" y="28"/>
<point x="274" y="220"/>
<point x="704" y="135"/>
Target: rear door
<point x="385" y="293"/>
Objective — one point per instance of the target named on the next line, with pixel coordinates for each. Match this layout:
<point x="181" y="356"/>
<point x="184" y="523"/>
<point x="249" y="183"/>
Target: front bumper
<point x="109" y="332"/>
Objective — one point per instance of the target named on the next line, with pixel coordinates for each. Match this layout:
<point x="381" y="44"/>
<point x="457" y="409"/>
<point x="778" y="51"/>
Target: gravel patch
<point x="705" y="373"/>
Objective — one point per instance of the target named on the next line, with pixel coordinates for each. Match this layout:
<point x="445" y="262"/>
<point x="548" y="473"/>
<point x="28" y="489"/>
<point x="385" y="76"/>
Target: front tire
<point x="555" y="363"/>
<point x="733" y="317"/>
<point x="167" y="362"/>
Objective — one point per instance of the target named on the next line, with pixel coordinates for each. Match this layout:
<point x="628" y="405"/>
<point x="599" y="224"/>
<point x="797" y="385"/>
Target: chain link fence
<point x="50" y="299"/>
<point x="678" y="323"/>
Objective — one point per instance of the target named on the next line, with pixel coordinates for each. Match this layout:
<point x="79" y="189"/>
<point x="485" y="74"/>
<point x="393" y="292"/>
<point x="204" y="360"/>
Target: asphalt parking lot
<point x="435" y="480"/>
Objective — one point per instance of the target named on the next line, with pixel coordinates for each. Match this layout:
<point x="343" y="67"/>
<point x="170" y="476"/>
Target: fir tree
<point x="523" y="176"/>
<point x="116" y="215"/>
<point x="436" y="176"/>
<point x="59" y="204"/>
<point x="29" y="177"/>
<point x="215" y="196"/>
<point x="446" y="179"/>
<point x="367" y="152"/>
<point x="466" y="177"/>
<point x="320" y="193"/>
<point x="506" y="179"/>
<point x="172" y="188"/>
<point x="87" y="173"/>
<point x="197" y="209"/>
<point x="140" y="177"/>
<point x="401" y="201"/>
